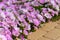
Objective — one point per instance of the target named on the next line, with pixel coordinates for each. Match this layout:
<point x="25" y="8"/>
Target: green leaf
<point x="39" y="7"/>
<point x="56" y="18"/>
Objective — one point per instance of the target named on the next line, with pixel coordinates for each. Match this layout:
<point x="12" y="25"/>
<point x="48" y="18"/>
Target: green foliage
<point x="39" y="7"/>
<point x="55" y="18"/>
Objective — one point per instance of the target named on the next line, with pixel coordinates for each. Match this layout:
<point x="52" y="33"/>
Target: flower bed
<point x="19" y="18"/>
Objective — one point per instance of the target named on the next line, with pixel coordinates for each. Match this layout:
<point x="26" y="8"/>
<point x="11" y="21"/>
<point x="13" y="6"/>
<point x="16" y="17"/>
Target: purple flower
<point x="25" y="32"/>
<point x="33" y="15"/>
<point x="40" y="17"/>
<point x="42" y="1"/>
<point x="36" y="22"/>
<point x="16" y="31"/>
<point x="9" y="37"/>
<point x="28" y="27"/>
<point x="30" y="19"/>
<point x="58" y="1"/>
<point x="15" y="14"/>
<point x="52" y="2"/>
<point x="22" y="37"/>
<point x="35" y="3"/>
<point x="3" y="34"/>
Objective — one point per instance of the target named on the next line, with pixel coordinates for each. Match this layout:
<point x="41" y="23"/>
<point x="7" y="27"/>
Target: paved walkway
<point x="49" y="31"/>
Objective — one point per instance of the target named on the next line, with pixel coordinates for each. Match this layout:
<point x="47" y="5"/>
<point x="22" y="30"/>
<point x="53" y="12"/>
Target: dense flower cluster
<point x="18" y="17"/>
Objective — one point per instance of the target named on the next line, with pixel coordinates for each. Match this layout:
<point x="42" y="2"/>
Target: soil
<point x="48" y="31"/>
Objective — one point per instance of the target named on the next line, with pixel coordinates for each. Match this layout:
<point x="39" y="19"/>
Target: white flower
<point x="47" y="15"/>
<point x="57" y="7"/>
<point x="2" y="37"/>
<point x="52" y="2"/>
<point x="2" y="14"/>
<point x="24" y="10"/>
